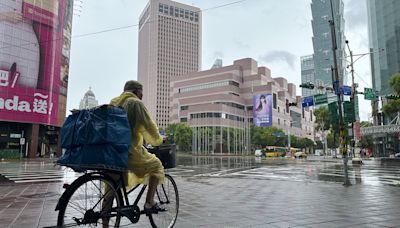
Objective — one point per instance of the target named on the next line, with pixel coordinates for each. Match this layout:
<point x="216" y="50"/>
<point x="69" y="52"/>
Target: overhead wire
<point x="116" y="28"/>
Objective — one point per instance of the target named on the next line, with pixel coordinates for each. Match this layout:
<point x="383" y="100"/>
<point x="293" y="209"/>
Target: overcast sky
<point x="275" y="33"/>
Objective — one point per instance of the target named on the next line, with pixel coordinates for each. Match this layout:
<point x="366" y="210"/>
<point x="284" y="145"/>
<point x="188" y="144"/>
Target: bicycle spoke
<point x="87" y="203"/>
<point x="167" y="194"/>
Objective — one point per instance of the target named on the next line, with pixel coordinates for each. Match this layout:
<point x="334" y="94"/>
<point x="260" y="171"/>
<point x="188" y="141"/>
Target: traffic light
<point x="392" y="97"/>
<point x="307" y="85"/>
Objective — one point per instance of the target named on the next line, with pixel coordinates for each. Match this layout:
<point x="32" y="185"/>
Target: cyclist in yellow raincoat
<point x="143" y="167"/>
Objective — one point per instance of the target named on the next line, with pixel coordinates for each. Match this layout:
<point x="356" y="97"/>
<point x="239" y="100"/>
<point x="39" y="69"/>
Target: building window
<point x="279" y="121"/>
<point x="184" y="107"/>
<point x="287" y="106"/>
<point x="274" y="100"/>
<point x="184" y="119"/>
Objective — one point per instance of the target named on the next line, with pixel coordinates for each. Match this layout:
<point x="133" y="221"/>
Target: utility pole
<point x="336" y="86"/>
<point x="356" y="159"/>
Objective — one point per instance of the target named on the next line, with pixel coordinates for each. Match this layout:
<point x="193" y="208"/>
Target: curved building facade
<point x="35" y="38"/>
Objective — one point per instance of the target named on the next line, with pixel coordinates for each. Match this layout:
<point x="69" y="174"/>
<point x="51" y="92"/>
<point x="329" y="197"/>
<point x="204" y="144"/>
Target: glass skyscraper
<point x="322" y="40"/>
<point x="307" y="74"/>
<point x="384" y="34"/>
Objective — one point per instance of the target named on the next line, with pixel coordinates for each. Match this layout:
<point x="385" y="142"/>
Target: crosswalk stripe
<point x="27" y="176"/>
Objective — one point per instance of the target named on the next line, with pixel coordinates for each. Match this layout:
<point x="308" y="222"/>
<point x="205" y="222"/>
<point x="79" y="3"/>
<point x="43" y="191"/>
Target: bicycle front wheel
<point x="168" y="197"/>
<point x="89" y="202"/>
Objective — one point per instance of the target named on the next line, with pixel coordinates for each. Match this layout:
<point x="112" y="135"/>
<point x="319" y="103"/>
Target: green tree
<point x="319" y="145"/>
<point x="393" y="106"/>
<point x="333" y="142"/>
<point x="322" y="119"/>
<point x="181" y="134"/>
<point x="263" y="136"/>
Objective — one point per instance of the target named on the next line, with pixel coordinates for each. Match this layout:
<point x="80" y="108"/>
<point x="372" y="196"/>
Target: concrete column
<point x="58" y="149"/>
<point x="32" y="136"/>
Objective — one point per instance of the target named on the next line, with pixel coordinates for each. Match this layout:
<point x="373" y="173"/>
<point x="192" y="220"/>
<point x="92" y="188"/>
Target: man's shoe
<point x="154" y="209"/>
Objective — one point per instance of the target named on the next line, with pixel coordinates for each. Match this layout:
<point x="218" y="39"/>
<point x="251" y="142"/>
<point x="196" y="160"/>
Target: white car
<point x="258" y="153"/>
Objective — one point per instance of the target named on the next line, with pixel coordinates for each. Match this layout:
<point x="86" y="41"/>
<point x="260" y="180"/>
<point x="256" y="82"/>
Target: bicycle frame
<point x="131" y="211"/>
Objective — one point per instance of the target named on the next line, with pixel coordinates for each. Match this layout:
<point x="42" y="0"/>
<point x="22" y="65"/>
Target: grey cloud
<point x="279" y="55"/>
<point x="355" y="13"/>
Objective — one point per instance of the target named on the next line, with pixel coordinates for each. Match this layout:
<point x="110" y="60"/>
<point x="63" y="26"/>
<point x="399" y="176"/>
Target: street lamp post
<point x="356" y="159"/>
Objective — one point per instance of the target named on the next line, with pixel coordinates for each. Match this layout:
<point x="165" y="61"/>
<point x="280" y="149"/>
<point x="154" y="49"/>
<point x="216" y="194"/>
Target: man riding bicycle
<point x="143" y="167"/>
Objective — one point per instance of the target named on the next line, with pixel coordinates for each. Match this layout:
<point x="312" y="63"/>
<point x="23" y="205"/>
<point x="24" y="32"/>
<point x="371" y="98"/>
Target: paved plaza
<point x="298" y="194"/>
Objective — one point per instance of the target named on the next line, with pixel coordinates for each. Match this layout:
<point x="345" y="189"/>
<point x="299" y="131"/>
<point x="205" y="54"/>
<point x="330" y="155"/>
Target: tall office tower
<point x="88" y="100"/>
<point x="169" y="46"/>
<point x="307" y="74"/>
<point x="322" y="40"/>
<point x="384" y="41"/>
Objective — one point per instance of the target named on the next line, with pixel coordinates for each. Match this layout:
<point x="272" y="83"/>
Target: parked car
<point x="397" y="155"/>
<point x="300" y="155"/>
<point x="258" y="153"/>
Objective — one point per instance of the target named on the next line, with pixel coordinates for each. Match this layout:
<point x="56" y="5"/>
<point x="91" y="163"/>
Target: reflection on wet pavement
<point x="371" y="173"/>
<point x="327" y="170"/>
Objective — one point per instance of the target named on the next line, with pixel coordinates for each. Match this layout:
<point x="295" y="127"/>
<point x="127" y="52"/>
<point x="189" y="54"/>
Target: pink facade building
<point x="35" y="43"/>
<point x="221" y="103"/>
<point x="169" y="46"/>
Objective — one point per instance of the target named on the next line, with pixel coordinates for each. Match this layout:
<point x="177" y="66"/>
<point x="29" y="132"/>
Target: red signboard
<point x="34" y="58"/>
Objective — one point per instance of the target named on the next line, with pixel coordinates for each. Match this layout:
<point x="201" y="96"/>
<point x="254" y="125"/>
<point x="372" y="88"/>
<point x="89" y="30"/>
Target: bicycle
<point x="83" y="201"/>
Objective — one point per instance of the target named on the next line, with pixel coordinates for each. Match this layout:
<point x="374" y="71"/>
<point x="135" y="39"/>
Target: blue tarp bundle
<point x="97" y="138"/>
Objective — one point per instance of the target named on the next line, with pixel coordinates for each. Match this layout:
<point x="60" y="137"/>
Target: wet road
<point x="230" y="192"/>
<point x="304" y="170"/>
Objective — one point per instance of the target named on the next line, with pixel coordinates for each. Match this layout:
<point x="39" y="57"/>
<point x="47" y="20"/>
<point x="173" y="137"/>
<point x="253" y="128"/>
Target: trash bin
<point x="166" y="153"/>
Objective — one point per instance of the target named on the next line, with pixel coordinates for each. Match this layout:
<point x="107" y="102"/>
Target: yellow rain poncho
<point x="141" y="163"/>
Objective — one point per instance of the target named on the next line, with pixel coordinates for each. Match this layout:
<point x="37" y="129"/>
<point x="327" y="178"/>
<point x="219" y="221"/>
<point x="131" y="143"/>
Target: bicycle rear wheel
<point x="168" y="197"/>
<point x="83" y="204"/>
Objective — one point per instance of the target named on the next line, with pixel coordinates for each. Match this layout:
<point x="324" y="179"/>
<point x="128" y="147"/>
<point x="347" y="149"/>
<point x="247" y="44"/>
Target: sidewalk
<point x="233" y="202"/>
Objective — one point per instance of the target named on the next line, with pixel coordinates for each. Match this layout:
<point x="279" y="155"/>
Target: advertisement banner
<point x="262" y="110"/>
<point x="33" y="38"/>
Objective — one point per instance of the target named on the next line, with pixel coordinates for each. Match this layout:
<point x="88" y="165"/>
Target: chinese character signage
<point x="262" y="110"/>
<point x="34" y="59"/>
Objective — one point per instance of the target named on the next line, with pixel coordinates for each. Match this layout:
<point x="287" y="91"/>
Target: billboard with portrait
<point x="34" y="36"/>
<point x="262" y="110"/>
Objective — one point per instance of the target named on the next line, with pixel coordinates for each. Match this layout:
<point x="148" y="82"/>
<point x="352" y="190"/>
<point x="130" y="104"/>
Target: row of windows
<point x="231" y="104"/>
<point x="178" y="12"/>
<point x="208" y="86"/>
<point x="216" y="115"/>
